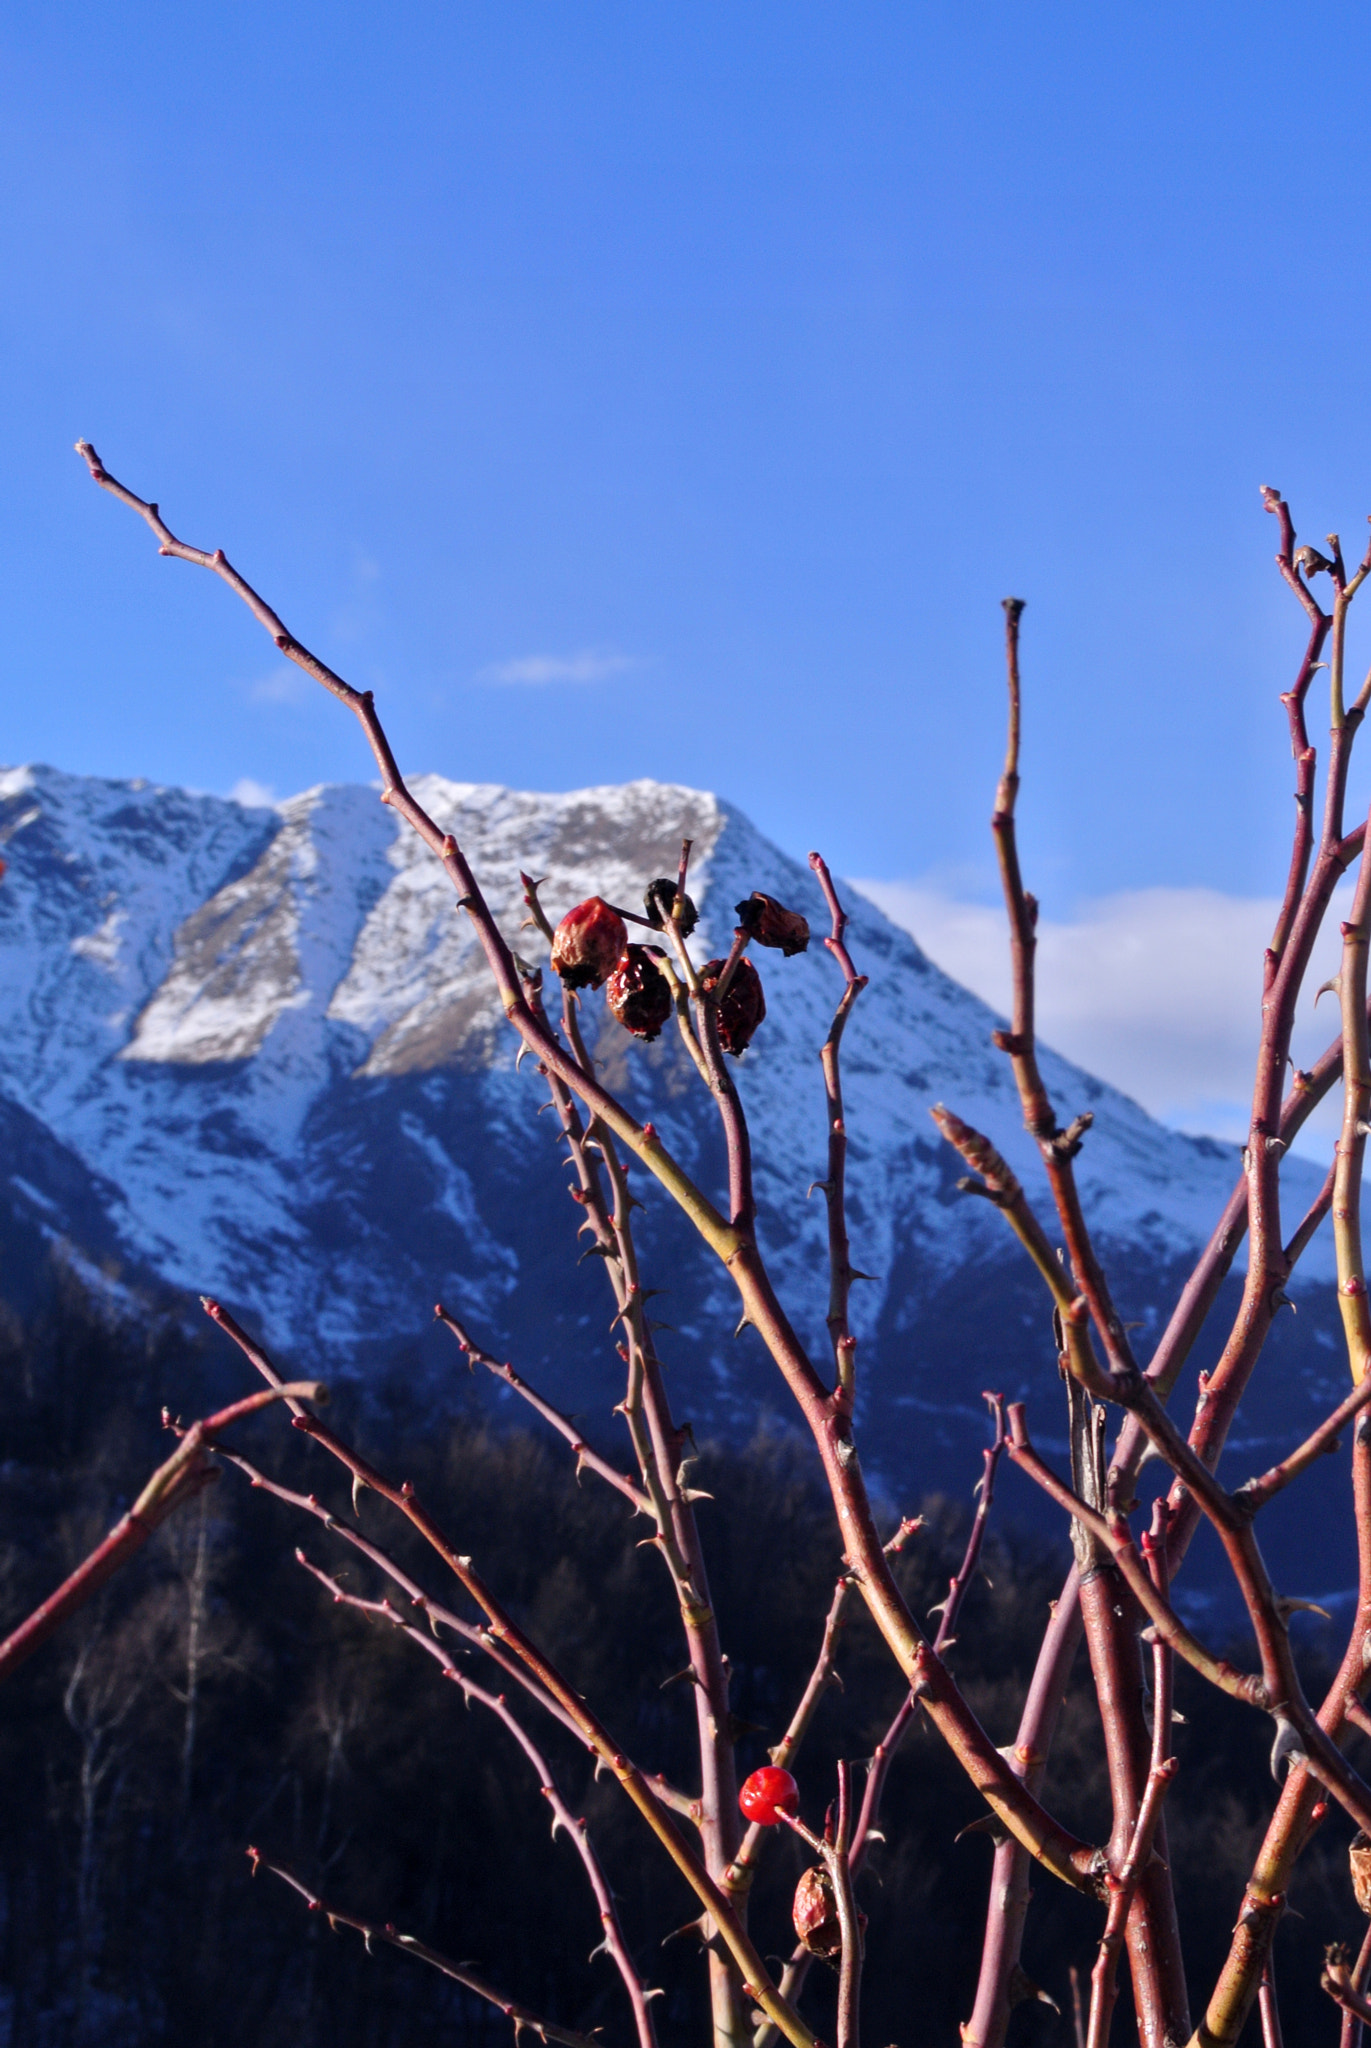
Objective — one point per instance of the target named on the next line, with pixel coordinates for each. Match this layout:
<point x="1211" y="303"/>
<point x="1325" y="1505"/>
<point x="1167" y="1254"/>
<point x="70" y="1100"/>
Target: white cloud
<point x="284" y="685"/>
<point x="591" y="665"/>
<point x="1155" y="990"/>
<point x="255" y="795"/>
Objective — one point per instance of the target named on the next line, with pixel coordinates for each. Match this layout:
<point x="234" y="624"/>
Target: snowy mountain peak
<point x="271" y="1031"/>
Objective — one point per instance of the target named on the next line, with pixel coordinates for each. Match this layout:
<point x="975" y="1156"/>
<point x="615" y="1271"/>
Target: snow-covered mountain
<point x="264" y="1058"/>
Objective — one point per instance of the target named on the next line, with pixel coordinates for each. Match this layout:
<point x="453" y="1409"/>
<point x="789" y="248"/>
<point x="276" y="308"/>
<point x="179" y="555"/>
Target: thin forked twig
<point x="947" y="1611"/>
<point x="371" y="1930"/>
<point x="585" y="1455"/>
<point x="436" y="1613"/>
<point x="571" y="1824"/>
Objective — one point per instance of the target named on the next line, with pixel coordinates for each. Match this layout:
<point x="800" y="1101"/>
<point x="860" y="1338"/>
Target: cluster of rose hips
<point x="590" y="949"/>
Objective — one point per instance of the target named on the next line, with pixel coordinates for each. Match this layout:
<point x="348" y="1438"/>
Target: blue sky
<point x="675" y="391"/>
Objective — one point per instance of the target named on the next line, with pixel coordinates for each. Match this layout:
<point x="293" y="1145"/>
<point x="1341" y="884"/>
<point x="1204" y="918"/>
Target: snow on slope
<point x="271" y="1030"/>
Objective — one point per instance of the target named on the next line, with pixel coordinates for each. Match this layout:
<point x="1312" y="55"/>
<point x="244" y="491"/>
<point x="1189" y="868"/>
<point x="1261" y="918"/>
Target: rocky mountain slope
<point x="253" y="1052"/>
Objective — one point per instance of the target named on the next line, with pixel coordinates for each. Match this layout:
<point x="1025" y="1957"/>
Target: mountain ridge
<point x="267" y="1037"/>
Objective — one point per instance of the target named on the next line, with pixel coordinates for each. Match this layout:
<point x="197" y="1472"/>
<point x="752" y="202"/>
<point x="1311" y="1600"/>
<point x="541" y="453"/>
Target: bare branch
<point x="186" y="1472"/>
<point x="1104" y="1977"/>
<point x="835" y="1188"/>
<point x="1255" y="1493"/>
<point x="575" y="1828"/>
<point x="1007" y="1908"/>
<point x="371" y="1930"/>
<point x="563" y="1424"/>
<point x="437" y="1614"/>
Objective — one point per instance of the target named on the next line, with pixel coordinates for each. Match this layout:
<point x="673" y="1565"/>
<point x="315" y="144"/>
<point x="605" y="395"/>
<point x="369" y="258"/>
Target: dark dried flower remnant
<point x="587" y="943"/>
<point x="743" y="1007"/>
<point x="657" y="901"/>
<point x="639" y="994"/>
<point x="815" y="1913"/>
<point x="769" y="923"/>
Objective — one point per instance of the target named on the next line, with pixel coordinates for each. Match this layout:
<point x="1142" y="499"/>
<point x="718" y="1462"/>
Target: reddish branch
<point x="602" y="1136"/>
<point x="948" y="1610"/>
<point x="1300" y="1807"/>
<point x="1057" y="1147"/>
<point x="1269" y="2010"/>
<point x="1308" y="1088"/>
<point x="841" y="1274"/>
<point x="186" y="1473"/>
<point x="1301" y="914"/>
<point x="1104" y="1977"/>
<point x="1234" y="1993"/>
<point x="1287" y="962"/>
<point x="371" y="1930"/>
<point x="1007" y="1907"/>
<point x="823" y="1676"/>
<point x="832" y="1849"/>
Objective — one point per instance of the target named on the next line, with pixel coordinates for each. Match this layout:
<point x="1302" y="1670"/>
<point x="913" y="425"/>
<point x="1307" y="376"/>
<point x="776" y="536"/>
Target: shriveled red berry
<point x="743" y="1007"/>
<point x="658" y="901"/>
<point x="815" y="1913"/>
<point x="767" y="1794"/>
<point x="587" y="943"/>
<point x="639" y="993"/>
<point x="769" y="923"/>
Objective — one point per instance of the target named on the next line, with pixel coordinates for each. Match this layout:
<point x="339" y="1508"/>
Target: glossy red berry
<point x="742" y="1009"/>
<point x="587" y="943"/>
<point x="769" y="923"/>
<point x="639" y="994"/>
<point x="767" y="1794"/>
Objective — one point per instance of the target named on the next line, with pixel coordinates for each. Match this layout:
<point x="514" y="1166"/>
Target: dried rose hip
<point x="742" y="1009"/>
<point x="771" y="924"/>
<point x="587" y="943"/>
<point x="767" y="1794"/>
<point x="639" y="994"/>
<point x="815" y="1913"/>
<point x="657" y="902"/>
